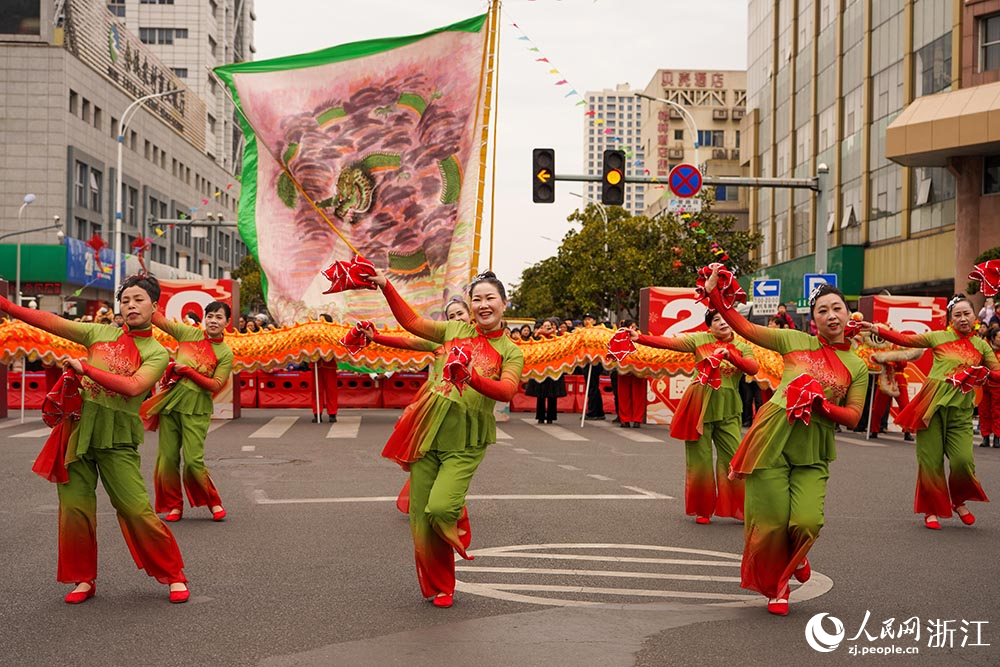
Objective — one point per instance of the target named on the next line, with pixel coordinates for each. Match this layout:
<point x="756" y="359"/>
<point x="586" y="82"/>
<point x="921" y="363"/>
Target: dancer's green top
<point x="203" y="363"/>
<point x="122" y="366"/>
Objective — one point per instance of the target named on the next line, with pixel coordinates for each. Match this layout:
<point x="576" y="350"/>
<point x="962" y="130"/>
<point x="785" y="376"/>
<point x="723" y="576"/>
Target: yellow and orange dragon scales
<point x="309" y="341"/>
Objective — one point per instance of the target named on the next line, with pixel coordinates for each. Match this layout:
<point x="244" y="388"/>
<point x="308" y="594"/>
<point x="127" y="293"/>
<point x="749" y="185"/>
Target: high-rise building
<point x="858" y="86"/>
<point x="714" y="102"/>
<point x="191" y="37"/>
<point x="68" y="73"/>
<point x="612" y="122"/>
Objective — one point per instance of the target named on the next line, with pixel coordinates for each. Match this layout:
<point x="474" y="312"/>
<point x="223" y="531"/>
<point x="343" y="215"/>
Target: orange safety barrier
<point x="399" y="390"/>
<point x="287" y="389"/>
<point x="571" y="402"/>
<point x="355" y="390"/>
<point x="34" y="392"/>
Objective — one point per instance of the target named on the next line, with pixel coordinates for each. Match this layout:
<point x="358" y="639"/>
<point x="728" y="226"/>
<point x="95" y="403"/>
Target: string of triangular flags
<point x="160" y="231"/>
<point x="574" y="95"/>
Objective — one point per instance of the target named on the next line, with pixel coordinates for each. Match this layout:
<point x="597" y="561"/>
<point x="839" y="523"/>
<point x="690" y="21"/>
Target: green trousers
<point x="949" y="434"/>
<point x="707" y="489"/>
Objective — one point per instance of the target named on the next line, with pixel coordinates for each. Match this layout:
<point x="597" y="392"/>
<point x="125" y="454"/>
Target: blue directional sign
<point x="811" y="281"/>
<point x="685" y="180"/>
<point x="765" y="288"/>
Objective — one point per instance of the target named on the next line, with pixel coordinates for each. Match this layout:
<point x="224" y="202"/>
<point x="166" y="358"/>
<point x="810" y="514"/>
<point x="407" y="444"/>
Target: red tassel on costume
<point x="968" y="379"/>
<point x="988" y="275"/>
<point x="355" y="340"/>
<point x="729" y="289"/>
<point x="355" y="274"/>
<point x="620" y="345"/>
<point x="800" y="395"/>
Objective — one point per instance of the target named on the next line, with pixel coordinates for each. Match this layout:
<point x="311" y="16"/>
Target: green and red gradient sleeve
<point x="907" y="340"/>
<point x="133" y="385"/>
<point x="746" y="365"/>
<point x="506" y="387"/>
<point x="676" y="343"/>
<point x="177" y="330"/>
<point x="772" y="339"/>
<point x="405" y="343"/>
<point x="408" y="318"/>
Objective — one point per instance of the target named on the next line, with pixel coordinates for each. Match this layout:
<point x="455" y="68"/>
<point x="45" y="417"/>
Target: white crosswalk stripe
<point x="557" y="432"/>
<point x="503" y="436"/>
<point x="347" y="426"/>
<point x="628" y="433"/>
<point x="275" y="428"/>
<point x="17" y="422"/>
<point x="37" y="433"/>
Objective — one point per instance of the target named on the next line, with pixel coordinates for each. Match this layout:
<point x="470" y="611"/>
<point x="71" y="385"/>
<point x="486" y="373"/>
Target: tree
<point x="601" y="267"/>
<point x="251" y="293"/>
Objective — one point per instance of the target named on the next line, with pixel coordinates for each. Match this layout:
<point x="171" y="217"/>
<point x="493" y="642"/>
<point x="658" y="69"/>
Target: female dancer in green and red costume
<point x="456" y="310"/>
<point x="122" y="366"/>
<point x="941" y="414"/>
<point x="710" y="411"/>
<point x="183" y="412"/>
<point x="786" y="465"/>
<point x="441" y="437"/>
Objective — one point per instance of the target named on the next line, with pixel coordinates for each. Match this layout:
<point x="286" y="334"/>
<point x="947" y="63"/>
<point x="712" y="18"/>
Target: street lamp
<point x="28" y="199"/>
<point x="685" y="114"/>
<point x="132" y="108"/>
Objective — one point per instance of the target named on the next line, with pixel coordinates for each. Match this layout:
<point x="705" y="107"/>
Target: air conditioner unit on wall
<point x="738" y="113"/>
<point x="720" y="114"/>
<point x="719" y="154"/>
<point x="734" y="154"/>
<point x="676" y="154"/>
<point x="675" y="114"/>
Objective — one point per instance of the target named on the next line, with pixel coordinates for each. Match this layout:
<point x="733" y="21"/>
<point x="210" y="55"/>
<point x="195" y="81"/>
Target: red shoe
<point x="703" y="520"/>
<point x="173" y="515"/>
<point x="76" y="597"/>
<point x="968" y="518"/>
<point x="778" y="606"/>
<point x="932" y="523"/>
<point x="444" y="600"/>
<point x="803" y="571"/>
<point x="220" y="515"/>
<point x="180" y="596"/>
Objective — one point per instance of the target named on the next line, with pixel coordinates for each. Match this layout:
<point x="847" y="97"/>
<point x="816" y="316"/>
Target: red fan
<point x="988" y="275"/>
<point x="800" y="395"/>
<point x="355" y="274"/>
<point x="97" y="243"/>
<point x="620" y="345"/>
<point x="729" y="289"/>
<point x="968" y="378"/>
<point x="355" y="340"/>
<point x="710" y="371"/>
<point x="456" y="367"/>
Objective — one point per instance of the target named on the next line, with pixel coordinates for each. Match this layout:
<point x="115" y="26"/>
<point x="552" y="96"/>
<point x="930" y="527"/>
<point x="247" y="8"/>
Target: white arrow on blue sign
<point x="811" y="281"/>
<point x="766" y="288"/>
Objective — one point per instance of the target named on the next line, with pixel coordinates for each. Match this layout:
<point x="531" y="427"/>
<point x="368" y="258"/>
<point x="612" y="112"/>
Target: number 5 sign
<point x="668" y="311"/>
<point x="911" y="314"/>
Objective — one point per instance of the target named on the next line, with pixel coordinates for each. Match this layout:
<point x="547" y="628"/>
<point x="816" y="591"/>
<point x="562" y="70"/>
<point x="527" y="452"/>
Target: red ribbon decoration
<point x="97" y="243"/>
<point x="60" y="409"/>
<point x="355" y="340"/>
<point x="140" y="246"/>
<point x="456" y="367"/>
<point x="800" y="395"/>
<point x="620" y="345"/>
<point x="852" y="329"/>
<point x="988" y="275"/>
<point x="355" y="274"/>
<point x="969" y="378"/>
<point x="710" y="371"/>
<point x="729" y="289"/>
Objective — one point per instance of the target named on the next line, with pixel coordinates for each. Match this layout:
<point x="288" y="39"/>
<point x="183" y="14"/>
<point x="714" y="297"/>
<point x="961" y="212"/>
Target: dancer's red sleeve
<point x="502" y="390"/>
<point x="747" y="365"/>
<point x="129" y="385"/>
<point x="843" y="415"/>
<point x="212" y="384"/>
<point x="905" y="340"/>
<point x="677" y="343"/>
<point x="405" y="343"/>
<point x="408" y="318"/>
<point x="769" y="338"/>
<point x="74" y="331"/>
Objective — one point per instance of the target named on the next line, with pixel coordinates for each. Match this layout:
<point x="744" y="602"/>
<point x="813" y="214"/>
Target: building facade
<point x="613" y="122"/>
<point x="716" y="102"/>
<point x="65" y="87"/>
<point x="827" y="80"/>
<point x="191" y="37"/>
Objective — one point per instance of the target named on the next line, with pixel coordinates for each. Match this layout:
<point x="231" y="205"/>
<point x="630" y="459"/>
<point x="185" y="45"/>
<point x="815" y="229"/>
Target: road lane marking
<point x="654" y="494"/>
<point x="544" y="459"/>
<point x="248" y="448"/>
<point x="566" y="466"/>
<point x="503" y="436"/>
<point x="728" y="597"/>
<point x="629" y="433"/>
<point x="37" y="433"/>
<point x="217" y="424"/>
<point x="596" y="573"/>
<point x="274" y="428"/>
<point x="261" y="498"/>
<point x="347" y="426"/>
<point x="601" y="478"/>
<point x="557" y="432"/>
<point x="15" y="422"/>
<point x="521" y="450"/>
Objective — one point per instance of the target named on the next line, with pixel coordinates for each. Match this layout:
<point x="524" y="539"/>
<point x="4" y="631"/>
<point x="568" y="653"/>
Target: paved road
<point x="584" y="557"/>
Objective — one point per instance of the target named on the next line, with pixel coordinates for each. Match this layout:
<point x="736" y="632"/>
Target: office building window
<point x="989" y="42"/>
<point x="132" y="206"/>
<point x="180" y="72"/>
<point x="82" y="227"/>
<point x="96" y="187"/>
<point x="933" y="66"/>
<point x="156" y="2"/>
<point x="74" y="102"/>
<point x="80" y="183"/>
<point x="161" y="35"/>
<point x="117" y="7"/>
<point x="991" y="175"/>
<point x="678" y="135"/>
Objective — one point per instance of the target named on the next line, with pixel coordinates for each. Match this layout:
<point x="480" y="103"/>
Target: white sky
<point x="595" y="44"/>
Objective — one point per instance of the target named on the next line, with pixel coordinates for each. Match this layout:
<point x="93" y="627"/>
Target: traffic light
<point x="543" y="172"/>
<point x="613" y="178"/>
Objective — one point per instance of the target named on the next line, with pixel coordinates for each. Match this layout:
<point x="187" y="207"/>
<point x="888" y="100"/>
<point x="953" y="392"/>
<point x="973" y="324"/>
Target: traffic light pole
<point x="799" y="183"/>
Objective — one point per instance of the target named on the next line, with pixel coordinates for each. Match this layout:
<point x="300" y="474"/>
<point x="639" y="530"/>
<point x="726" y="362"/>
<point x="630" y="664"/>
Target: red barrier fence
<point x="34" y="392"/>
